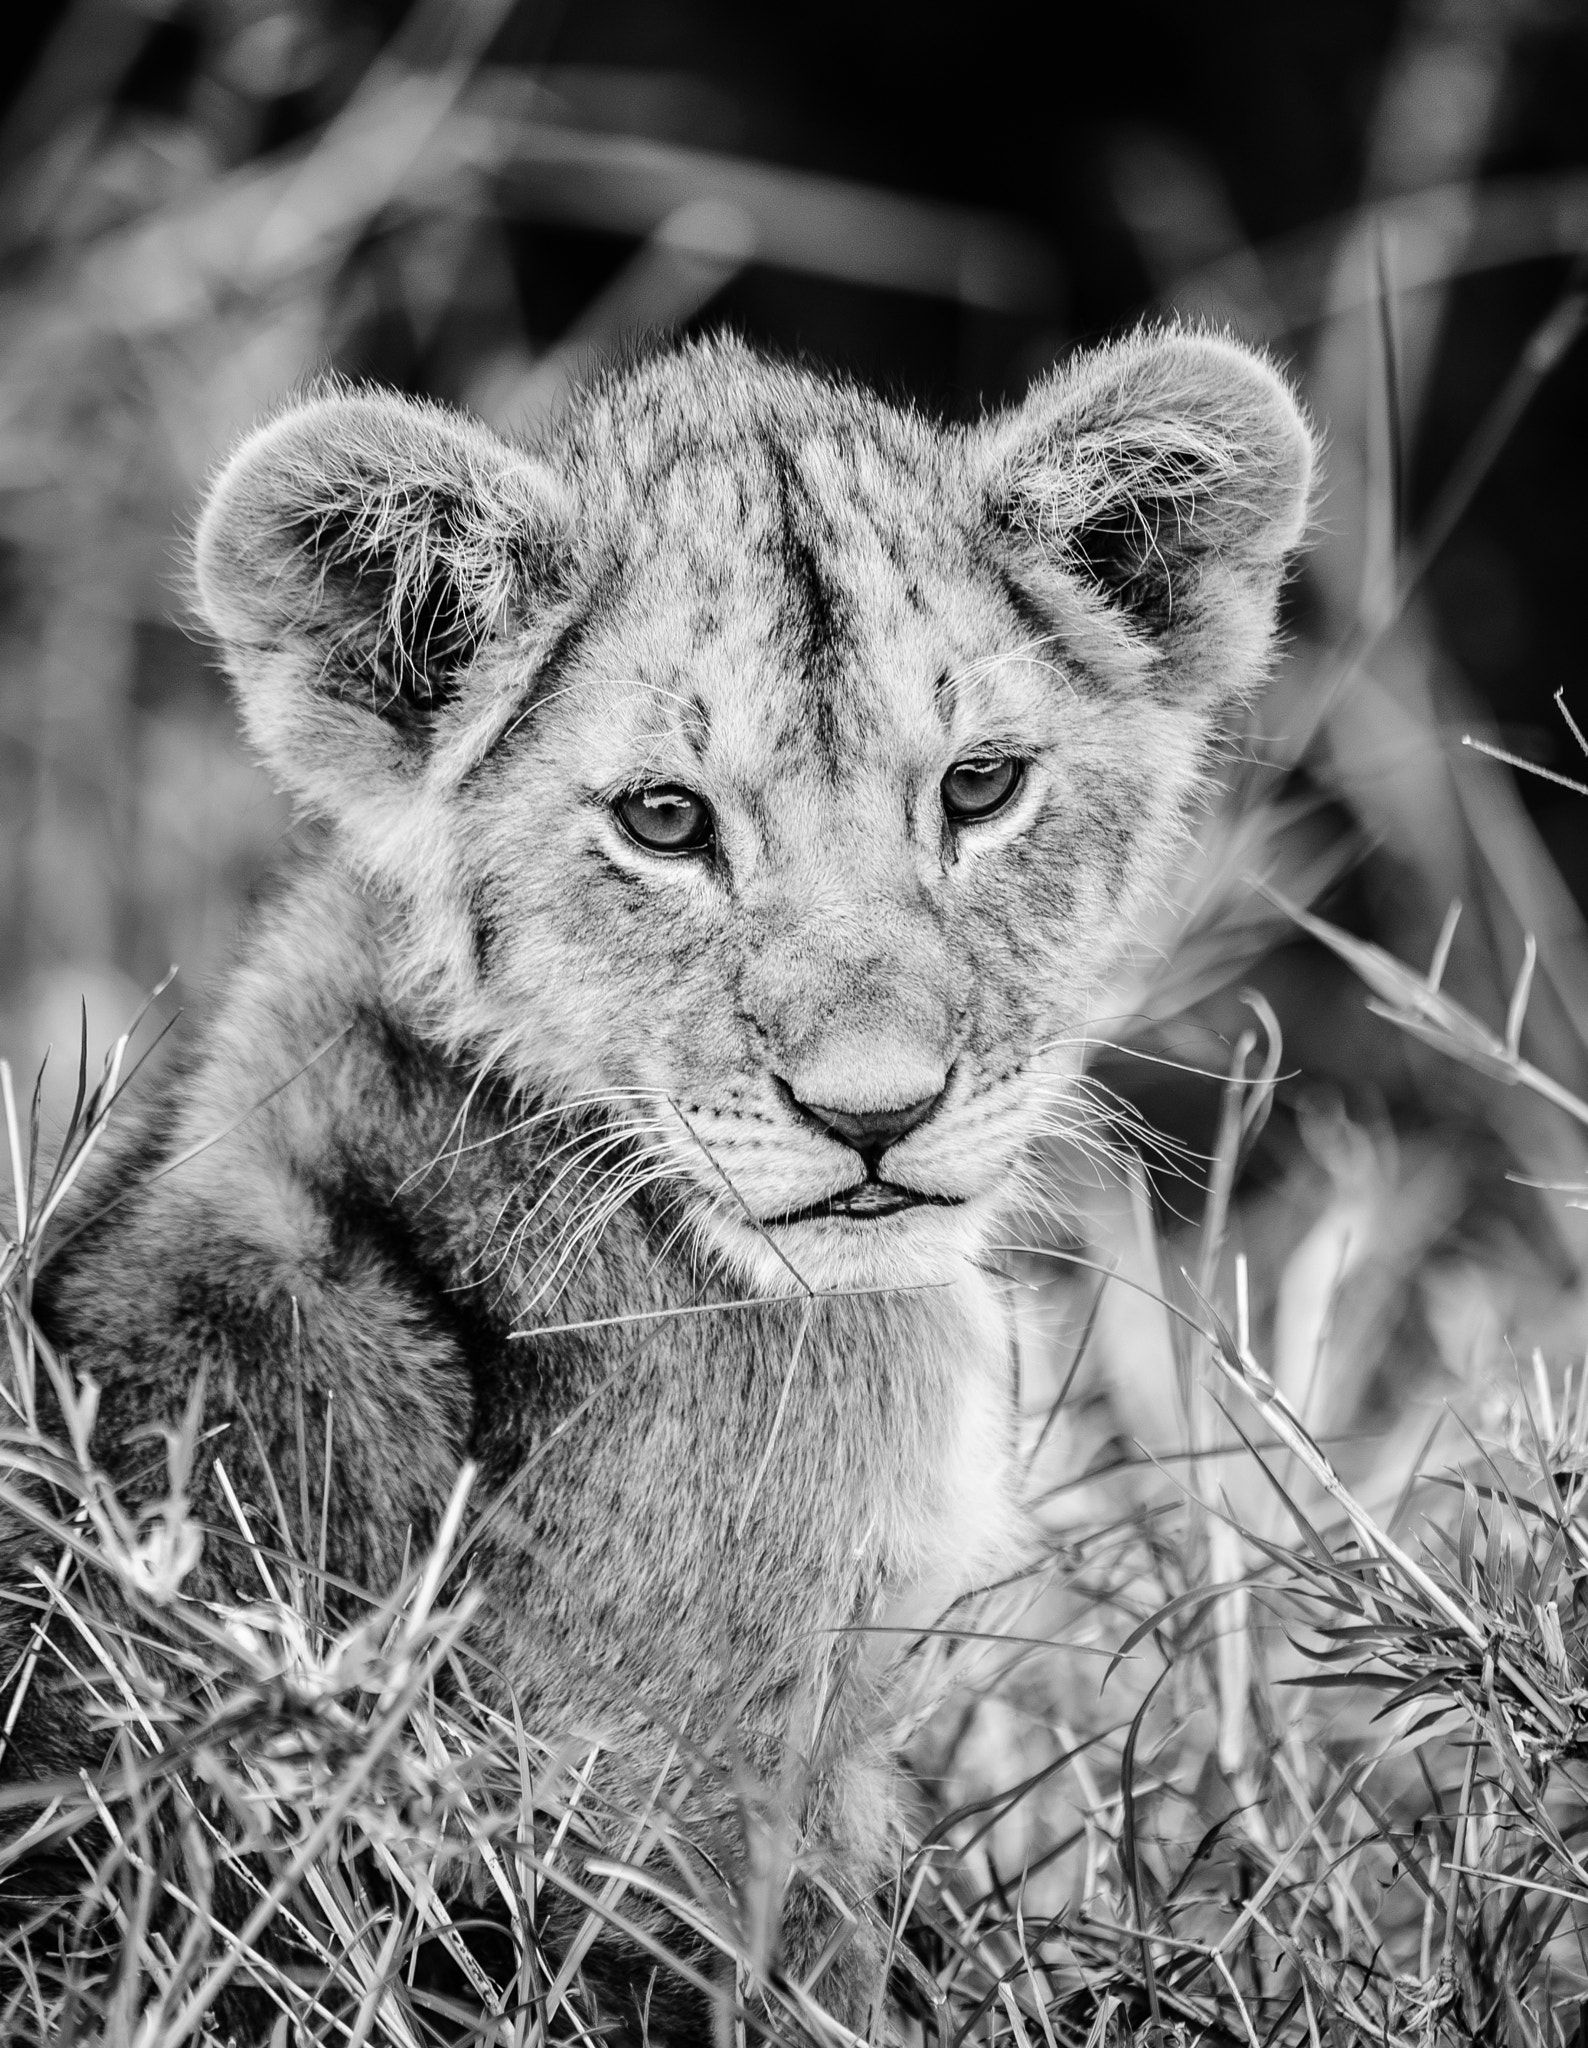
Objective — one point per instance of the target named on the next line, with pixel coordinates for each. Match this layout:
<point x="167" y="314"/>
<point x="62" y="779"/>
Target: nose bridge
<point x="849" y="981"/>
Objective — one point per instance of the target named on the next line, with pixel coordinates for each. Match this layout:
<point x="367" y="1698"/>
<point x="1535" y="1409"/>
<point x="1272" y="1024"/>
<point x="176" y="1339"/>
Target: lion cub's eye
<point x="976" y="788"/>
<point x="666" y="819"/>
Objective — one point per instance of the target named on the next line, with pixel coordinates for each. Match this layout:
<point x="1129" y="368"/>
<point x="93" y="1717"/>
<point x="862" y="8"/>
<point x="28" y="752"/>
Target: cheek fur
<point x="598" y="978"/>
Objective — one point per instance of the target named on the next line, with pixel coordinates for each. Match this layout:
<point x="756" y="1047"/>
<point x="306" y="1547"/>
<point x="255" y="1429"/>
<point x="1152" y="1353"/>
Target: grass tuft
<point x="1239" y="1758"/>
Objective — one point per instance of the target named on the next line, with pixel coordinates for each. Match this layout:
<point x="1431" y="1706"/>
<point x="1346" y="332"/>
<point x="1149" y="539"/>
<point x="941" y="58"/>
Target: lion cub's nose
<point x="868" y="1131"/>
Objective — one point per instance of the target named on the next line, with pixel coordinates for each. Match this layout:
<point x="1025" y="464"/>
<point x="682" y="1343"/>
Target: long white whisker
<point x="600" y="1098"/>
<point x="577" y="1244"/>
<point x="636" y="1150"/>
<point x="588" y="1149"/>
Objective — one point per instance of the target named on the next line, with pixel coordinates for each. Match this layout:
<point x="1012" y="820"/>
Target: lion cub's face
<point x="763" y="768"/>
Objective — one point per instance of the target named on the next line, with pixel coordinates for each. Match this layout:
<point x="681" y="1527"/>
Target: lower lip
<point x="866" y="1203"/>
<point x="873" y="1198"/>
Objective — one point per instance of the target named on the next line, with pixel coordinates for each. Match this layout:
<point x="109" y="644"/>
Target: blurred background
<point x="203" y="203"/>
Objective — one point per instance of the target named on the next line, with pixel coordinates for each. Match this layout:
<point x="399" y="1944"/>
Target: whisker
<point x="595" y="1099"/>
<point x="575" y="1247"/>
<point x="596" y="1180"/>
<point x="588" y="1150"/>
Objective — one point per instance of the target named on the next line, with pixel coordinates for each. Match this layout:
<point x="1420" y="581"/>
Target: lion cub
<point x="728" y="810"/>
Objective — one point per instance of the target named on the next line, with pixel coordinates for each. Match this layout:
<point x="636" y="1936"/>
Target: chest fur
<point x="759" y="1485"/>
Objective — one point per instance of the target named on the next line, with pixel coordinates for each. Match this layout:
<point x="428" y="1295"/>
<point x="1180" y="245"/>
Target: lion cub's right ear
<point x="353" y="558"/>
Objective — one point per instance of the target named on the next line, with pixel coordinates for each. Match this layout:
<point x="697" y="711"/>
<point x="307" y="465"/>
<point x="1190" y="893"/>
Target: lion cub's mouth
<point x="871" y="1198"/>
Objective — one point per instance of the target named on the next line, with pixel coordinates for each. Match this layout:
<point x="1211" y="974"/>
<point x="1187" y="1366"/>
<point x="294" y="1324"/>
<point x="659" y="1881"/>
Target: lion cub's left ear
<point x="1145" y="497"/>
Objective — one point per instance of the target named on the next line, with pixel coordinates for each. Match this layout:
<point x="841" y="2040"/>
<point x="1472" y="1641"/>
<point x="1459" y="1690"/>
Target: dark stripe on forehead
<point x="1034" y="620"/>
<point x="816" y="616"/>
<point x="485" y="930"/>
<point x="563" y="651"/>
<point x="695" y="724"/>
<point x="546" y="677"/>
<point x="1046" y="640"/>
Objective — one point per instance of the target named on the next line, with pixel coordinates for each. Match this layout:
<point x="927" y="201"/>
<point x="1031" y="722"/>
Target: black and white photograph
<point x="793" y="1024"/>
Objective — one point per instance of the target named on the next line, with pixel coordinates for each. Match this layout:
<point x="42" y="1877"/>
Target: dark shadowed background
<point x="206" y="204"/>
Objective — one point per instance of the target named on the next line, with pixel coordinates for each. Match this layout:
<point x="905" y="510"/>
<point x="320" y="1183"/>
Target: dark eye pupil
<point x="666" y="819"/>
<point x="975" y="789"/>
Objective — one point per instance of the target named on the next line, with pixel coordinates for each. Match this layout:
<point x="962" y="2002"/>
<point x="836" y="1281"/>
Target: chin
<point x="927" y="1246"/>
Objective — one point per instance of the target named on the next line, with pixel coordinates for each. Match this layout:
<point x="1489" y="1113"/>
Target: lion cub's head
<point x="769" y="766"/>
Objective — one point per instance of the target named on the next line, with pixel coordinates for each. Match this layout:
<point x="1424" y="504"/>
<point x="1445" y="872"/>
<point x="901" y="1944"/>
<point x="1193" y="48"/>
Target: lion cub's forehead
<point x="790" y="566"/>
<point x="710" y="456"/>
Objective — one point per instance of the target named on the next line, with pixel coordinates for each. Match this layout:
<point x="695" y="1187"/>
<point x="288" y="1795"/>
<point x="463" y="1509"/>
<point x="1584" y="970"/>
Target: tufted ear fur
<point x="1146" y="496"/>
<point x="354" y="557"/>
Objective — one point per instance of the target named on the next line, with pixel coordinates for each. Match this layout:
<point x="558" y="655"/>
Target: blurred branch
<point x="1545" y="349"/>
<point x="417" y="77"/>
<point x="264" y="226"/>
<point x="404" y="142"/>
<point x="1542" y="353"/>
<point x="83" y="62"/>
<point x="673" y="273"/>
<point x="1439" y="235"/>
<point x="826" y="226"/>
